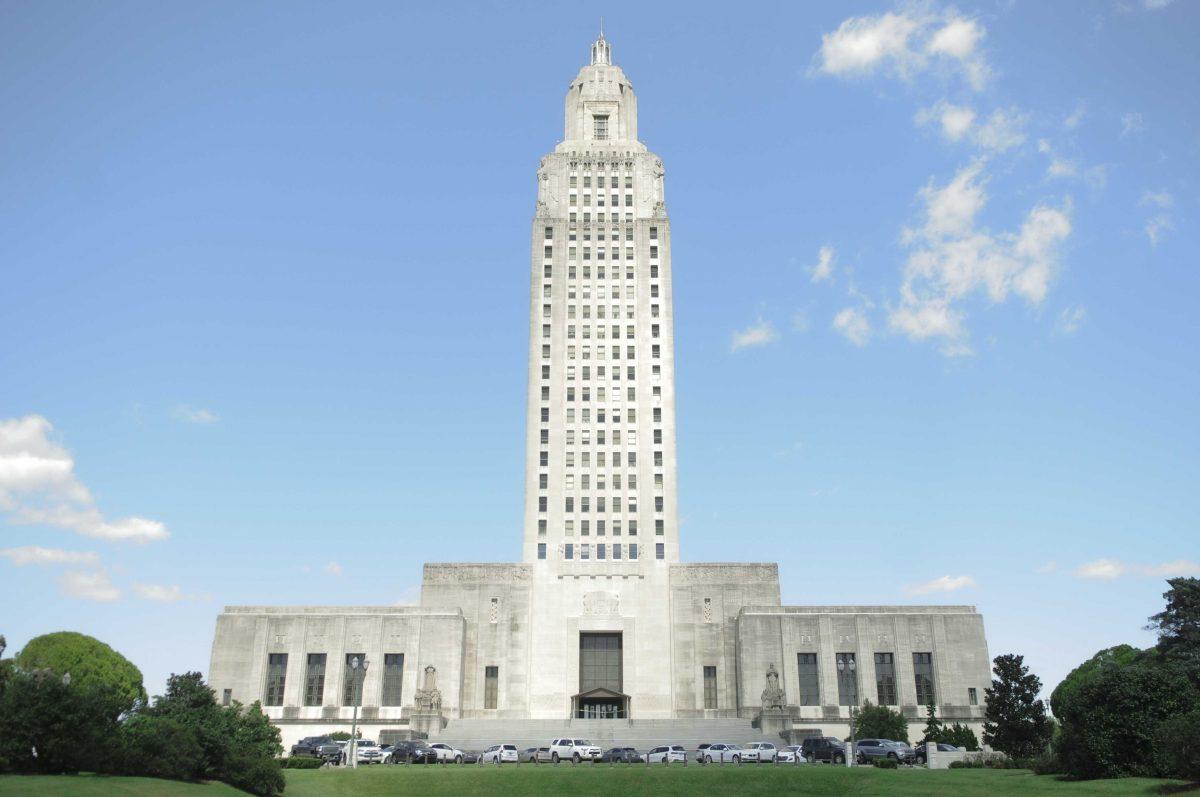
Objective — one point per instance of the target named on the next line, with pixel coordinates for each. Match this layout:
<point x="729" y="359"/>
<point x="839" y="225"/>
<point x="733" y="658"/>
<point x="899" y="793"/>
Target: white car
<point x="725" y="752"/>
<point x="667" y="754"/>
<point x="368" y="752"/>
<point x="574" y="750"/>
<point x="499" y="754"/>
<point x="445" y="752"/>
<point x="766" y="751"/>
<point x="790" y="755"/>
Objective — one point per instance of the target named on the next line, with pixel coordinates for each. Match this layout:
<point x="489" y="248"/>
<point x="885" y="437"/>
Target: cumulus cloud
<point x="1108" y="569"/>
<point x="905" y="43"/>
<point x="1070" y="320"/>
<point x="953" y="120"/>
<point x="38" y="486"/>
<point x="823" y="270"/>
<point x="193" y="414"/>
<point x="941" y="584"/>
<point x="1003" y="130"/>
<point x="159" y="593"/>
<point x="36" y="555"/>
<point x="1160" y="222"/>
<point x="953" y="257"/>
<point x="1073" y="121"/>
<point x="759" y="334"/>
<point x="853" y="324"/>
<point x="92" y="586"/>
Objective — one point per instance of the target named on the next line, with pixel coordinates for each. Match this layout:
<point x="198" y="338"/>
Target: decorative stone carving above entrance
<point x="601" y="603"/>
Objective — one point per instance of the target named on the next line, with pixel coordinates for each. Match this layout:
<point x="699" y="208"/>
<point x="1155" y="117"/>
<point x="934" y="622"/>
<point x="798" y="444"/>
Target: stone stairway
<point x="479" y="734"/>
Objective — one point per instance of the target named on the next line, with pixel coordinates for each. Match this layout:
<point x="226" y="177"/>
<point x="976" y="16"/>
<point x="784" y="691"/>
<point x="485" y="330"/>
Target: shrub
<point x="880" y="722"/>
<point x="159" y="747"/>
<point x="1177" y="746"/>
<point x="71" y="727"/>
<point x="340" y="736"/>
<point x="983" y="761"/>
<point x="960" y="736"/>
<point x="302" y="762"/>
<point x="253" y="773"/>
<point x="886" y="763"/>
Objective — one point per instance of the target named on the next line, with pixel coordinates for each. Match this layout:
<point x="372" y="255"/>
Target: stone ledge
<point x="318" y="611"/>
<point x="967" y="610"/>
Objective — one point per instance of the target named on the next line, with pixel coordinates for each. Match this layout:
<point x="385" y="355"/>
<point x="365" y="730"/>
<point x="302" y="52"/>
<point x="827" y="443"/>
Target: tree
<point x="49" y="726"/>
<point x="1178" y="625"/>
<point x="880" y="722"/>
<point x="934" y="729"/>
<point x="90" y="662"/>
<point x="1016" y="718"/>
<point x="960" y="736"/>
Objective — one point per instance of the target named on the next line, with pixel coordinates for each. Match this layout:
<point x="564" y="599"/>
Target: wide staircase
<point x="479" y="734"/>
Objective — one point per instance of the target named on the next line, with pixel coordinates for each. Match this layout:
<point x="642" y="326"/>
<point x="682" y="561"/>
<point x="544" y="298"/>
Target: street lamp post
<point x="843" y="665"/>
<point x="358" y="673"/>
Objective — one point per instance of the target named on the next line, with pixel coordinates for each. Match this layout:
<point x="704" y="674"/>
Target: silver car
<point x="667" y="754"/>
<point x="766" y="751"/>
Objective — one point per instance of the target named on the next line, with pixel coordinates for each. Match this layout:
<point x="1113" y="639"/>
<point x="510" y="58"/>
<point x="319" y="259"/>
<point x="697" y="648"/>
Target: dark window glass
<point x="352" y="680"/>
<point x="314" y="680"/>
<point x="885" y="679"/>
<point x="710" y="687"/>
<point x="599" y="662"/>
<point x="810" y="692"/>
<point x="393" y="678"/>
<point x="491" y="685"/>
<point x="847" y="678"/>
<point x="923" y="675"/>
<point x="276" y="678"/>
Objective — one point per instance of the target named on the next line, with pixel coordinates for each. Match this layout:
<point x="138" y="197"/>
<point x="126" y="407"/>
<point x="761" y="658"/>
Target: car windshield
<point x="366" y="743"/>
<point x="508" y="747"/>
<point x="582" y="742"/>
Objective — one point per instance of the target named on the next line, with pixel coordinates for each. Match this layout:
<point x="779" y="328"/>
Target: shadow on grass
<point x="1176" y="788"/>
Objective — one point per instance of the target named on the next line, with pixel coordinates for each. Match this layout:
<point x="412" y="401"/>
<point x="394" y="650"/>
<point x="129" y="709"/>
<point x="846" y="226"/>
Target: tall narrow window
<point x="847" y="679"/>
<point x="491" y="685"/>
<point x="227" y="697"/>
<point x="972" y="696"/>
<point x="810" y="685"/>
<point x="660" y="551"/>
<point x="314" y="680"/>
<point x="923" y="675"/>
<point x="393" y="678"/>
<point x="541" y="550"/>
<point x="885" y="679"/>
<point x="276" y="678"/>
<point x="352" y="680"/>
<point x="601" y="127"/>
<point x="710" y="687"/>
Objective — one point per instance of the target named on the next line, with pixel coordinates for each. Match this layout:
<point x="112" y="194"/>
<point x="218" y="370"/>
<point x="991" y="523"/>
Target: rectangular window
<point x="352" y="680"/>
<point x="585" y="551"/>
<point x="923" y="675"/>
<point x="491" y="686"/>
<point x="885" y="679"/>
<point x="600" y="127"/>
<point x="633" y="550"/>
<point x="599" y="662"/>
<point x="616" y="550"/>
<point x="226" y="697"/>
<point x="810" y="684"/>
<point x="710" y="687"/>
<point x="393" y="678"/>
<point x="541" y="550"/>
<point x="276" y="678"/>
<point x="660" y="551"/>
<point x="314" y="680"/>
<point x="972" y="696"/>
<point x="600" y="551"/>
<point x="847" y="680"/>
<point x="569" y="551"/>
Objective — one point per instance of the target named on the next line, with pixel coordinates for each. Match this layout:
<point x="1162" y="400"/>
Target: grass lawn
<point x="694" y="781"/>
<point x="105" y="786"/>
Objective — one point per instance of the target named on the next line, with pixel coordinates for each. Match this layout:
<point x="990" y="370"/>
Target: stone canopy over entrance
<point x="600" y="704"/>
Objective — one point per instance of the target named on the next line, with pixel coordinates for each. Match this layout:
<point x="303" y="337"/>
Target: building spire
<point x="601" y="51"/>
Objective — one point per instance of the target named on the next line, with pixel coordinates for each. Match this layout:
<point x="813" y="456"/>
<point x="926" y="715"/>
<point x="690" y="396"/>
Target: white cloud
<point x="93" y="586"/>
<point x="1070" y="320"/>
<point x="193" y="414"/>
<point x="1161" y="221"/>
<point x="159" y="593"/>
<point x="333" y="568"/>
<point x="38" y="486"/>
<point x="759" y="334"/>
<point x="1003" y="130"/>
<point x="905" y="43"/>
<point x="36" y="555"/>
<point x="954" y="258"/>
<point x="954" y="120"/>
<point x="1132" y="123"/>
<point x="1108" y="569"/>
<point x="1061" y="168"/>
<point x="1155" y="5"/>
<point x="853" y="324"/>
<point x="1158" y="199"/>
<point x="941" y="584"/>
<point x="823" y="270"/>
<point x="1073" y="121"/>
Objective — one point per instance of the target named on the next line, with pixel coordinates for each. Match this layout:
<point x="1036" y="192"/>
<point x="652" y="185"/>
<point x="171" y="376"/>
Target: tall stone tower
<point x="601" y="473"/>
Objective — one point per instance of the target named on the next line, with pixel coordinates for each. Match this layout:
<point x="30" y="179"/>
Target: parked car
<point x="368" y="752"/>
<point x="919" y="751"/>
<point x="700" y="750"/>
<point x="904" y="752"/>
<point x="870" y="749"/>
<point x="766" y="751"/>
<point x="726" y="752"/>
<point x="309" y="744"/>
<point x="330" y="752"/>
<point x="500" y="754"/>
<point x="667" y="754"/>
<point x="411" y="752"/>
<point x="529" y="754"/>
<point x="622" y="755"/>
<point x="471" y="756"/>
<point x="824" y="748"/>
<point x="575" y="750"/>
<point x="789" y="754"/>
<point x="445" y="752"/>
<point x="537" y="755"/>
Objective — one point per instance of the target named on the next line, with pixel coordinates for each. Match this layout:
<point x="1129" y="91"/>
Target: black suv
<point x="824" y="748"/>
<point x="309" y="744"/>
<point x="412" y="752"/>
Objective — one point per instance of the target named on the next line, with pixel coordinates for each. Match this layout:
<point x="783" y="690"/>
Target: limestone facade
<point x="600" y="619"/>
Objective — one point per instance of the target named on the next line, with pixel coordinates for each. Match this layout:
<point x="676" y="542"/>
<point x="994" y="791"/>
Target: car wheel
<point x="554" y="757"/>
<point x="839" y="759"/>
<point x="458" y="759"/>
<point x="575" y="758"/>
<point x="860" y="759"/>
<point x="920" y="759"/>
<point x="737" y="759"/>
<point x="708" y="759"/>
<point x="893" y="757"/>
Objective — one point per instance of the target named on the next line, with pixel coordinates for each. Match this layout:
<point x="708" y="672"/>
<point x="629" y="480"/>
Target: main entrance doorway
<point x="600" y="678"/>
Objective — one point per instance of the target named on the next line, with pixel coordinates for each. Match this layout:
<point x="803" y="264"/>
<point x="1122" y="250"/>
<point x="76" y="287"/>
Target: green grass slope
<point x="105" y="786"/>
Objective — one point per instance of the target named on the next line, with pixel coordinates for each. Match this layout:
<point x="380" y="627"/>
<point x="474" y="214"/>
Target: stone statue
<point x="428" y="698"/>
<point x="772" y="696"/>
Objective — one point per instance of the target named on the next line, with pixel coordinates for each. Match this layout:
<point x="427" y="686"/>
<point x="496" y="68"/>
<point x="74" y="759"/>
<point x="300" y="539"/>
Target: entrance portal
<point x="600" y="675"/>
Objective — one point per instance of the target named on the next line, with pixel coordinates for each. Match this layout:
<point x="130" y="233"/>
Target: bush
<point x="302" y="762"/>
<point x="71" y="727"/>
<point x="880" y="722"/>
<point x="1177" y="746"/>
<point x="886" y="763"/>
<point x="159" y="747"/>
<point x="251" y="772"/>
<point x="984" y="761"/>
<point x="960" y="736"/>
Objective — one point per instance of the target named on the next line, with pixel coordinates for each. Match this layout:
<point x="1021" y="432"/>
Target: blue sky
<point x="265" y="292"/>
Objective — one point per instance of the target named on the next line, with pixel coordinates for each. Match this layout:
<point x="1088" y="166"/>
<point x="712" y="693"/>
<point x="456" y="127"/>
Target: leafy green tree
<point x="1016" y="719"/>
<point x="880" y="722"/>
<point x="90" y="662"/>
<point x="960" y="736"/>
<point x="934" y="728"/>
<point x="1178" y="625"/>
<point x="1177" y="746"/>
<point x="49" y="726"/>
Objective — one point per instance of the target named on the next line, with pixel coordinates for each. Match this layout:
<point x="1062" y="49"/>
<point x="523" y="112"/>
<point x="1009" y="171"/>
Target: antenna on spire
<point x="601" y="52"/>
<point x="601" y="27"/>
